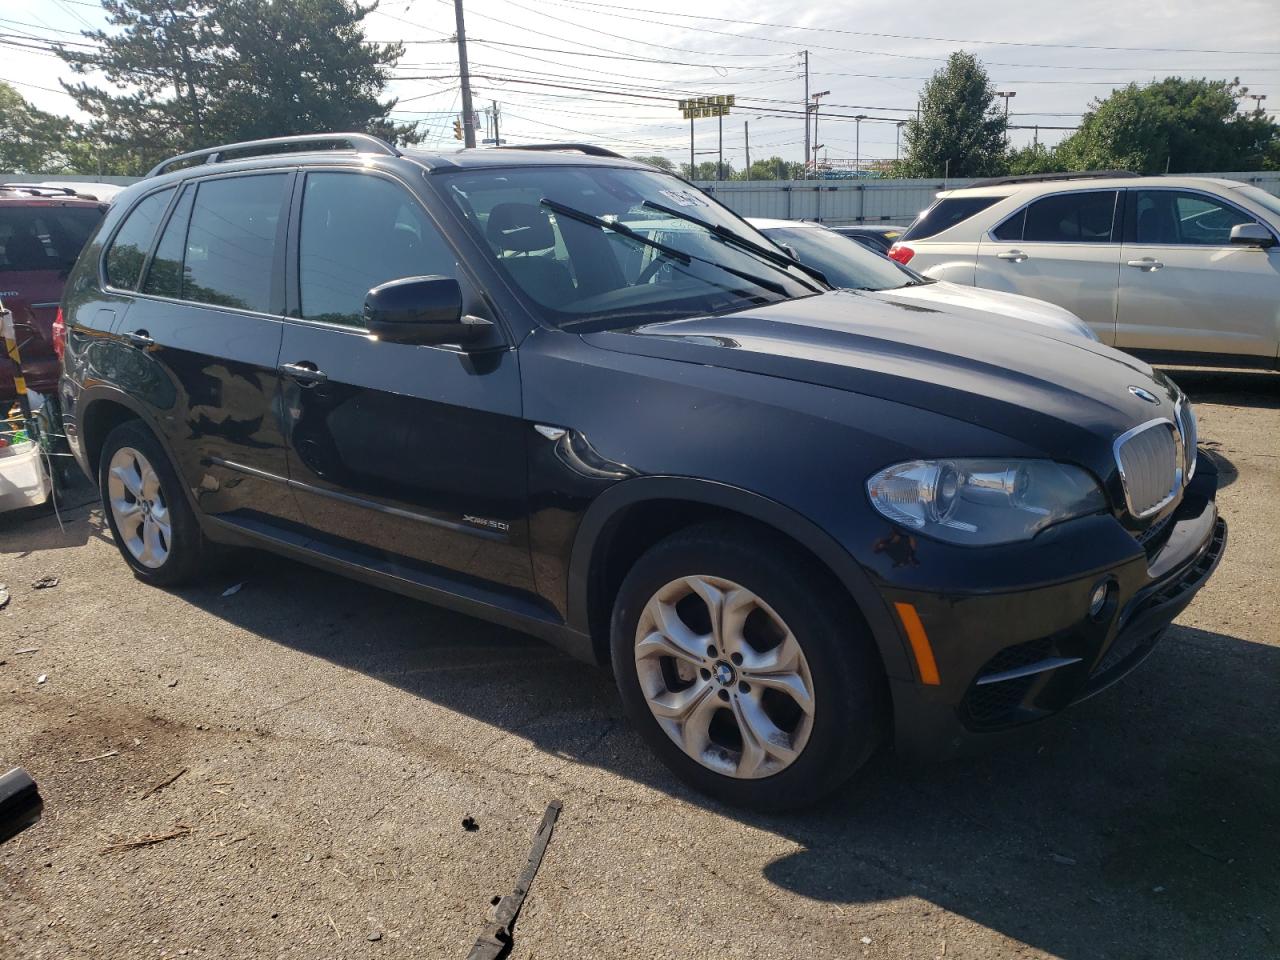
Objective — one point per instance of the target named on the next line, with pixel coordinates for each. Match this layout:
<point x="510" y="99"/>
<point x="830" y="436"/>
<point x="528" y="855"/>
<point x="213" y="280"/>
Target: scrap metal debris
<point x="44" y="583"/>
<point x="495" y="939"/>
<point x="4" y="595"/>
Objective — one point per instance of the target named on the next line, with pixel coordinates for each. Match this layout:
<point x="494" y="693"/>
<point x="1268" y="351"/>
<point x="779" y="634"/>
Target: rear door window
<point x="132" y="241"/>
<point x="945" y="214"/>
<point x="44" y="237"/>
<point x="1084" y="217"/>
<point x="229" y="258"/>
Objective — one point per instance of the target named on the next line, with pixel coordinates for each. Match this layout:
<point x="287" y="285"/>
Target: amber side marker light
<point x="925" y="664"/>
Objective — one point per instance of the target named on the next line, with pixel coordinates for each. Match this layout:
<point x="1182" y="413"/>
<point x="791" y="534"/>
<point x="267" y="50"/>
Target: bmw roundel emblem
<point x="1142" y="394"/>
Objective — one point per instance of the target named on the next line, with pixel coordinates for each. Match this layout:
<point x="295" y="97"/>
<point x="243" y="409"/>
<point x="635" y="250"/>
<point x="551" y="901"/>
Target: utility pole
<point x="693" y="169"/>
<point x="497" y="134"/>
<point x="746" y="141"/>
<point x="857" y="143"/>
<point x="720" y="149"/>
<point x="806" y="109"/>
<point x="897" y="141"/>
<point x="816" y="145"/>
<point x="464" y="74"/>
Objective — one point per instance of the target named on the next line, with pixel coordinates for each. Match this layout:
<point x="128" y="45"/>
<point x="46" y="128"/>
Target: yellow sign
<point x="714" y="106"/>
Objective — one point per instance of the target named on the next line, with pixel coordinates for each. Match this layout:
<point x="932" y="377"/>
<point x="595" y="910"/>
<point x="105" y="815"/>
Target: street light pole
<point x="1007" y="94"/>
<point x="806" y="109"/>
<point x="857" y="143"/>
<point x="897" y="141"/>
<point x="1257" y="99"/>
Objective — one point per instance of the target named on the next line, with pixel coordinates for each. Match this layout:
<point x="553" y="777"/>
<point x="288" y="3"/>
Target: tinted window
<point x="1174" y="217"/>
<point x="359" y="231"/>
<point x="1011" y="229"/>
<point x="945" y="214"/>
<point x="44" y="238"/>
<point x="164" y="276"/>
<point x="133" y="240"/>
<point x="1071" y="218"/>
<point x="230" y="249"/>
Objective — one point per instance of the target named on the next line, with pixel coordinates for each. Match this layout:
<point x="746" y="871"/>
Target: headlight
<point x="983" y="502"/>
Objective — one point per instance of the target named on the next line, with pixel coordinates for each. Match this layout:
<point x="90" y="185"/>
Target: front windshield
<point x="1260" y="197"/>
<point x="549" y="230"/>
<point x="846" y="263"/>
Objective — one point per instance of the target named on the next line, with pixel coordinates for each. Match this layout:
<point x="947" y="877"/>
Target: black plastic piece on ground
<point x="20" y="803"/>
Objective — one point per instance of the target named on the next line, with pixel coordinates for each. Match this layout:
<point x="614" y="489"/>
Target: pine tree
<point x="960" y="133"/>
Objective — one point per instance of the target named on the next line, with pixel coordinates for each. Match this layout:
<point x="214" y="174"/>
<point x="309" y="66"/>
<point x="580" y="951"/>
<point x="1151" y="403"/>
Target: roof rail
<point x="590" y="149"/>
<point x="355" y="141"/>
<point x="38" y="189"/>
<point x="1041" y="177"/>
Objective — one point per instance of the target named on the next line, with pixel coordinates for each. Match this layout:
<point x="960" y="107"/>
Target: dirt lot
<point x="333" y="737"/>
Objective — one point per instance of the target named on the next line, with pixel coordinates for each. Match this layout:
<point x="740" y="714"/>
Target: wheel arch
<point x="631" y="516"/>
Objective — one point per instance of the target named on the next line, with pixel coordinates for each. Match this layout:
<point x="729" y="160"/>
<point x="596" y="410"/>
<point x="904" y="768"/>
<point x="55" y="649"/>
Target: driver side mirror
<point x="1252" y="235"/>
<point x="421" y="310"/>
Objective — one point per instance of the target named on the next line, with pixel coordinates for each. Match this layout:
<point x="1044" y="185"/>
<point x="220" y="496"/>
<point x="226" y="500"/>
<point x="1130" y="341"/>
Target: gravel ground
<point x="331" y="738"/>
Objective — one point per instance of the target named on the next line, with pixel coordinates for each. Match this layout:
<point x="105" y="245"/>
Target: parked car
<point x="797" y="522"/>
<point x="42" y="230"/>
<point x="875" y="238"/>
<point x="1172" y="269"/>
<point x="851" y="266"/>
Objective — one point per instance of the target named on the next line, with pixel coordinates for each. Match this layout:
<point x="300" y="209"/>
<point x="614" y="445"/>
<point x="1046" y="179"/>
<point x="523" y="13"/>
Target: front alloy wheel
<point x="724" y="677"/>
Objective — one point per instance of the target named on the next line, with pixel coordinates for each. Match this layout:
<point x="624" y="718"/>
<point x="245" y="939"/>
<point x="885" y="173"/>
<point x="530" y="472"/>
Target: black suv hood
<point x="1010" y="376"/>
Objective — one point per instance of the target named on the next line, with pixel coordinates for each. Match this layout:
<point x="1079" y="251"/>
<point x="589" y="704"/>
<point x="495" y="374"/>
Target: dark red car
<point x="42" y="230"/>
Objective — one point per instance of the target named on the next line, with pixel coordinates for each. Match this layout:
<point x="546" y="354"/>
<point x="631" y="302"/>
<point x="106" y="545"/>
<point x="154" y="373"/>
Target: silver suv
<point x="1174" y="269"/>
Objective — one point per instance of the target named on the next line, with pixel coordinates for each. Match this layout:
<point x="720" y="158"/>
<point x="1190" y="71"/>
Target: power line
<point x="903" y="36"/>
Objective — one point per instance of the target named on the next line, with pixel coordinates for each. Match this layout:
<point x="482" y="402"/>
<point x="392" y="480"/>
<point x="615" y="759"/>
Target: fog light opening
<point x="1098" y="599"/>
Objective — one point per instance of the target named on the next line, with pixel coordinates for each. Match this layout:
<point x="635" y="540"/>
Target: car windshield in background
<point x="44" y="237"/>
<point x="1260" y="197"/>
<point x="846" y="263"/>
<point x="945" y="214"/>
<point x="584" y="244"/>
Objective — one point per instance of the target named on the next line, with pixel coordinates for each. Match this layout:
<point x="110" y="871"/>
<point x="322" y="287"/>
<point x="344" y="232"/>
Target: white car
<point x="850" y="265"/>
<point x="1173" y="269"/>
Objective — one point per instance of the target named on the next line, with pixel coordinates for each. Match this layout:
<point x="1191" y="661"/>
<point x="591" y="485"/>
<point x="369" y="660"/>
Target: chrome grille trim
<point x="1190" y="437"/>
<point x="1151" y="462"/>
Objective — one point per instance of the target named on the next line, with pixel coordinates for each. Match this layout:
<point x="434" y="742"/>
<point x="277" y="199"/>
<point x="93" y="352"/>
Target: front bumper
<point x="1010" y="657"/>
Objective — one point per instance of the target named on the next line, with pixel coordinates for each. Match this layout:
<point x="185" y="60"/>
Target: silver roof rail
<point x="355" y="141"/>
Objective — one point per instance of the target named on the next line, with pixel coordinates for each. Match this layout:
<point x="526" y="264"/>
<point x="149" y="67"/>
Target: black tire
<point x="189" y="552"/>
<point x="849" y="699"/>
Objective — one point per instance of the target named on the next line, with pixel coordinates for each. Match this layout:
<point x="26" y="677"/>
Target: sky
<point x="610" y="72"/>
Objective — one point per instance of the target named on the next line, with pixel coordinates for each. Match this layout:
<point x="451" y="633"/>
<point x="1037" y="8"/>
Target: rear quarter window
<point x="132" y="242"/>
<point x="945" y="214"/>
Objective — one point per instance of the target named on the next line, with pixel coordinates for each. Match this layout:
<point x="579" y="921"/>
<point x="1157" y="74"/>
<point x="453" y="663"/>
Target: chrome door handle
<point x="1017" y="256"/>
<point x="1146" y="263"/>
<point x="304" y="372"/>
<point x="138" y="338"/>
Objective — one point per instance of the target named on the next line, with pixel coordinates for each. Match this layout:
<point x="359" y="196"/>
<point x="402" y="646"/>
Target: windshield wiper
<point x="779" y="260"/>
<point x="672" y="252"/>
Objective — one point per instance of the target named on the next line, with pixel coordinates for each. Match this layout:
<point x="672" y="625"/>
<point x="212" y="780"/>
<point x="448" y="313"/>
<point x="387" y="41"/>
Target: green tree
<point x="662" y="163"/>
<point x="192" y="73"/>
<point x="775" y="168"/>
<point x="706" y="170"/>
<point x="30" y="139"/>
<point x="960" y="133"/>
<point x="1175" y="125"/>
<point x="1035" y="158"/>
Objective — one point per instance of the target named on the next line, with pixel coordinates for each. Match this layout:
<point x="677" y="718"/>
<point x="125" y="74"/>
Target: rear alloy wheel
<point x="153" y="525"/>
<point x="724" y="677"/>
<point x="138" y="508"/>
<point x="745" y="666"/>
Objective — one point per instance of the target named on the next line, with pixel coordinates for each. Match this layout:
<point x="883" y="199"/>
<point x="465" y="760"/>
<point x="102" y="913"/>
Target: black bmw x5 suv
<point x="572" y="394"/>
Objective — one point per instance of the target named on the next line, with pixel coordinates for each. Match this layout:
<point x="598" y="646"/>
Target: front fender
<point x="593" y="537"/>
